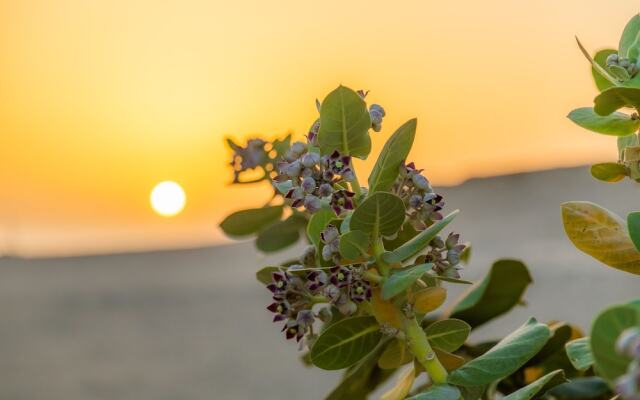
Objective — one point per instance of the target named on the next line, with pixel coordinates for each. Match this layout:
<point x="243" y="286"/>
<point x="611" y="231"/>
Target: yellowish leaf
<point x="402" y="387"/>
<point x="384" y="311"/>
<point x="429" y="299"/>
<point x="449" y="361"/>
<point x="395" y="355"/>
<point x="601" y="234"/>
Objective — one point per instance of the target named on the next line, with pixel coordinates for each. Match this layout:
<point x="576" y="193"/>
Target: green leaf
<point x="380" y="214"/>
<point x="406" y="233"/>
<point x="499" y="291"/>
<point x="606" y="329"/>
<point x="317" y="223"/>
<point x="431" y="277"/>
<point x="418" y="242"/>
<point x="601" y="234"/>
<point x="345" y="343"/>
<point x="344" y="124"/>
<point x="429" y="299"/>
<point x="363" y="378"/>
<point x="403" y="279"/>
<point x="560" y="334"/>
<point x="629" y="45"/>
<point x="395" y="355"/>
<point x="345" y="226"/>
<point x="247" y="222"/>
<point x="503" y="359"/>
<point x="354" y="244"/>
<point x="541" y="386"/>
<point x="264" y="274"/>
<point x="394" y="152"/>
<point x="615" y="98"/>
<point x="633" y="224"/>
<point x="281" y="234"/>
<point x="609" y="172"/>
<point x="448" y="334"/>
<point x="626" y="141"/>
<point x="438" y="392"/>
<point x="597" y="67"/>
<point x="591" y="388"/>
<point x="601" y="59"/>
<point x="615" y="124"/>
<point x="579" y="352"/>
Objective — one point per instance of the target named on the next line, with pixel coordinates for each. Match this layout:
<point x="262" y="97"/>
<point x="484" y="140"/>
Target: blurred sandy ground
<point x="192" y="324"/>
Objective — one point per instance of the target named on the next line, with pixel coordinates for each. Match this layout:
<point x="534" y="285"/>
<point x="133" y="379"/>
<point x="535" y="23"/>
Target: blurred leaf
<point x="429" y="299"/>
<point x="380" y="214"/>
<point x="384" y="311"/>
<point x="601" y="59"/>
<point x="395" y="355"/>
<point x="345" y="343"/>
<point x="560" y="334"/>
<point x="615" y="98"/>
<point x="541" y="386"/>
<point x="506" y="357"/>
<point x="615" y="124"/>
<point x="592" y="388"/>
<point x="609" y="172"/>
<point x="281" y="234"/>
<point x="579" y="352"/>
<point x="499" y="291"/>
<point x="633" y="224"/>
<point x="354" y="244"/>
<point x="438" y="392"/>
<point x="629" y="45"/>
<point x="317" y="223"/>
<point x="605" y="330"/>
<point x="419" y="242"/>
<point x="401" y="280"/>
<point x="264" y="274"/>
<point x="344" y="124"/>
<point x="626" y="141"/>
<point x="247" y="222"/>
<point x="433" y="277"/>
<point x="449" y="361"/>
<point x="448" y="334"/>
<point x="393" y="154"/>
<point x="601" y="234"/>
<point x="402" y="387"/>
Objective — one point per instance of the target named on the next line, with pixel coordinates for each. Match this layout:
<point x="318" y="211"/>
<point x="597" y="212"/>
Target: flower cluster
<point x="295" y="294"/>
<point x="252" y="156"/>
<point x="616" y="63"/>
<point x="314" y="179"/>
<point x="423" y="204"/>
<point x="628" y="344"/>
<point x="445" y="255"/>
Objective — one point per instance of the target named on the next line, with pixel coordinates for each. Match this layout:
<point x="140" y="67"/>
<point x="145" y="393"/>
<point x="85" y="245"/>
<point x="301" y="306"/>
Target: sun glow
<point x="168" y="198"/>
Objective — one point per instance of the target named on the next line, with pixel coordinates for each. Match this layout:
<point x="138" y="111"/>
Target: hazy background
<point x="100" y="100"/>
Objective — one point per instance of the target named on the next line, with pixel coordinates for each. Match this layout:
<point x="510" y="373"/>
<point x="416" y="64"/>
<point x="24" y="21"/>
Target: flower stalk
<point x="422" y="350"/>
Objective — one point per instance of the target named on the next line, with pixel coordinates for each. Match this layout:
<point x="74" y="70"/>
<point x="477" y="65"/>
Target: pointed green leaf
<point x="281" y="234"/>
<point x="354" y="244"/>
<point x="506" y="357"/>
<point x="247" y="222"/>
<point x="601" y="59"/>
<point x="448" y="334"/>
<point x="579" y="353"/>
<point x="601" y="234"/>
<point x="403" y="279"/>
<point x="630" y="39"/>
<point x="418" y="242"/>
<point x="380" y="214"/>
<point x="616" y="124"/>
<point x="345" y="343"/>
<point x="499" y="291"/>
<point x="633" y="224"/>
<point x="591" y="388"/>
<point x="609" y="172"/>
<point x="560" y="334"/>
<point x="438" y="392"/>
<point x="605" y="330"/>
<point x="394" y="152"/>
<point x="344" y="124"/>
<point x="539" y="386"/>
<point x="317" y="223"/>
<point x="615" y="98"/>
<point x="597" y="67"/>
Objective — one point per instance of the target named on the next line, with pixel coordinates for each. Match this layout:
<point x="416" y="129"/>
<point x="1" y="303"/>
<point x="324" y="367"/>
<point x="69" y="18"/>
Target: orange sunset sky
<point x="101" y="100"/>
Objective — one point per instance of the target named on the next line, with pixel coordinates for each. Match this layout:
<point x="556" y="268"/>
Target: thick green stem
<point x="421" y="349"/>
<point x="378" y="251"/>
<point x="355" y="184"/>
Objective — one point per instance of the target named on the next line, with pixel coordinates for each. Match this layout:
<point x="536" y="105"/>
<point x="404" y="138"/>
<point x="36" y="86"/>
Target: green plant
<point x="601" y="233"/>
<point x="366" y="294"/>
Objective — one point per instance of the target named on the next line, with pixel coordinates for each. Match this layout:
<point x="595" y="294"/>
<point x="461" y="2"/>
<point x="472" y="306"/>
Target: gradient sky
<point x="100" y="100"/>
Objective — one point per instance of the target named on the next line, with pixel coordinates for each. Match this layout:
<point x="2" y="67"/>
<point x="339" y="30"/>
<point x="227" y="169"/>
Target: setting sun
<point x="168" y="198"/>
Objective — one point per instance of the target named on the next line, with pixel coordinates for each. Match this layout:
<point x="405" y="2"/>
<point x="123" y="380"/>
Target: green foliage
<point x="500" y="290"/>
<point x="615" y="98"/>
<point x="345" y="343"/>
<point x="591" y="388"/>
<point x="438" y="392"/>
<point x="633" y="224"/>
<point x="395" y="355"/>
<point x="344" y="124"/>
<point x="579" y="352"/>
<point x="248" y="222"/>
<point x="601" y="59"/>
<point x="448" y="334"/>
<point x="354" y="244"/>
<point x="392" y="156"/>
<point x="615" y="124"/>
<point x="504" y="358"/>
<point x="629" y="45"/>
<point x="281" y="234"/>
<point x="626" y="141"/>
<point x="380" y="214"/>
<point x="606" y="328"/>
<point x="402" y="280"/>
<point x="608" y="172"/>
<point x="317" y="223"/>
<point x="541" y="386"/>
<point x="601" y="234"/>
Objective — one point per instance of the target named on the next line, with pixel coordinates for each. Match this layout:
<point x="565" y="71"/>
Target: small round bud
<point x="348" y="175"/>
<point x="310" y="159"/>
<point x="420" y="182"/>
<point x="327" y="253"/>
<point x="628" y="343"/>
<point x="612" y="59"/>
<point x="292" y="169"/>
<point x="415" y="201"/>
<point x="325" y="190"/>
<point x="623" y="62"/>
<point x="348" y="307"/>
<point x="437" y="242"/>
<point x="325" y="314"/>
<point x="308" y="184"/>
<point x="312" y="203"/>
<point x="453" y="257"/>
<point x="298" y="148"/>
